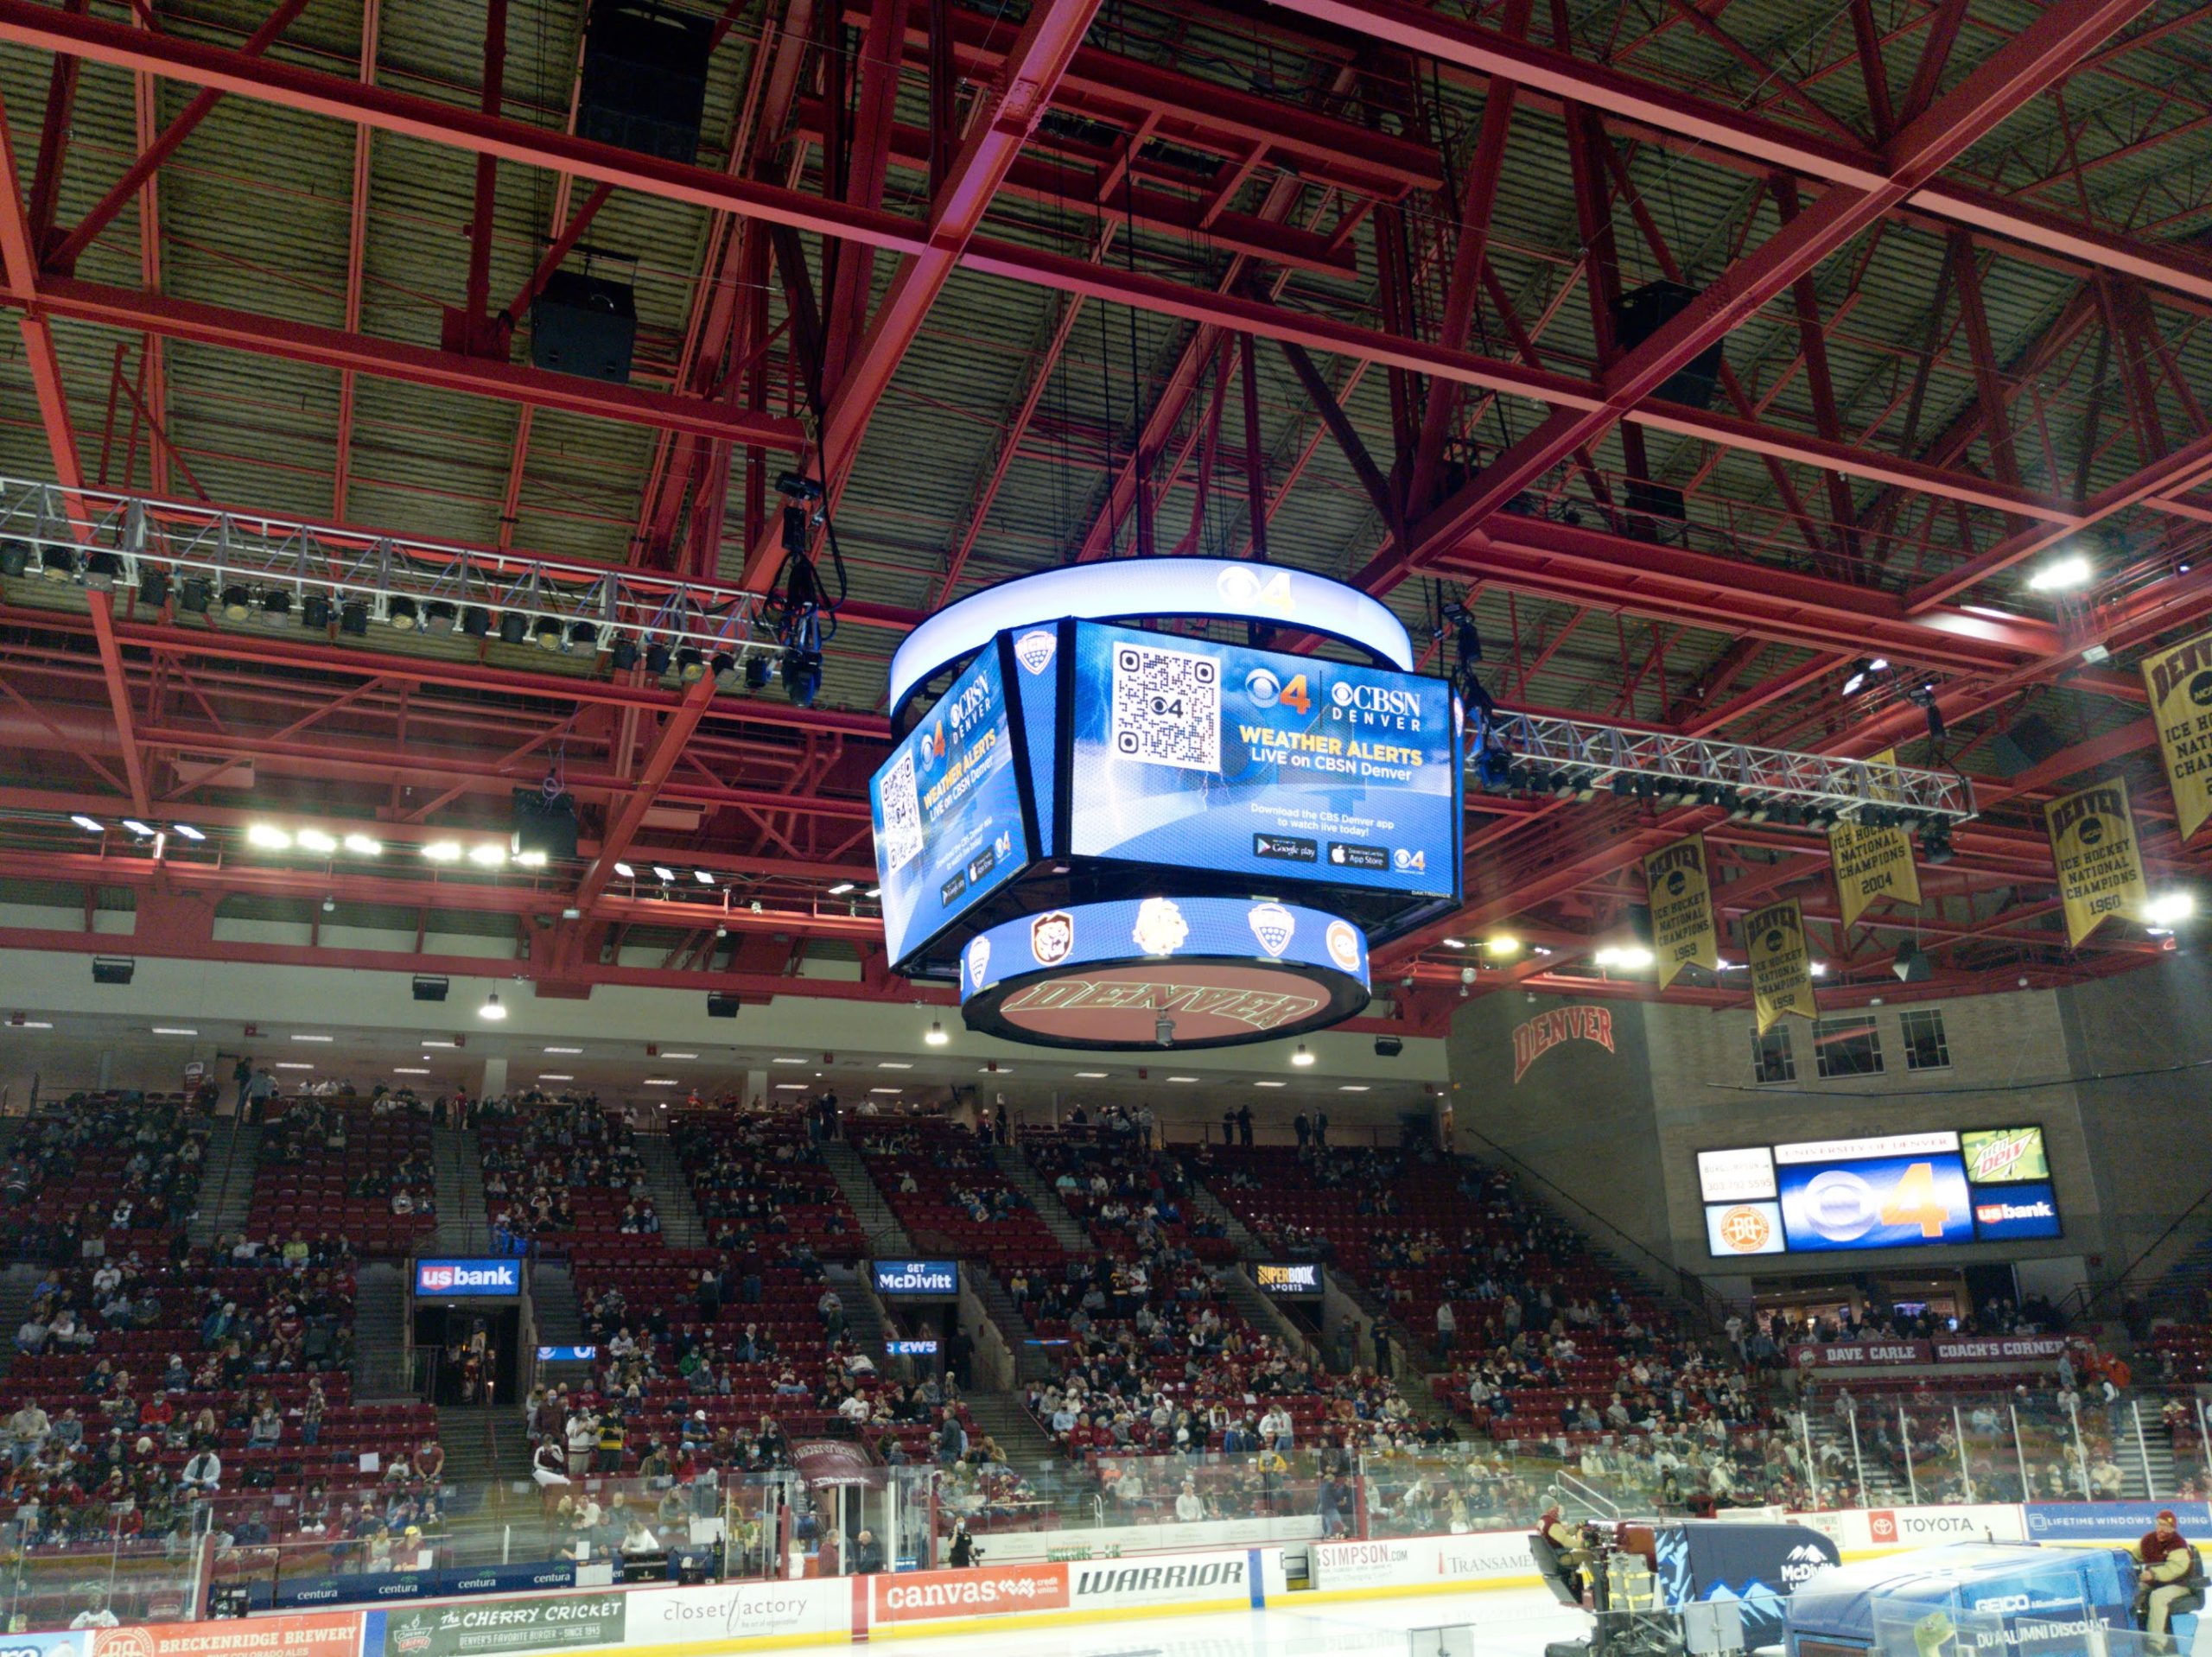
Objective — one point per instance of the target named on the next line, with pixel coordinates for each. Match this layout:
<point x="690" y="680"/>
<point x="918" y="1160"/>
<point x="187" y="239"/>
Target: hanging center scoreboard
<point x="1086" y="761"/>
<point x="1899" y="1190"/>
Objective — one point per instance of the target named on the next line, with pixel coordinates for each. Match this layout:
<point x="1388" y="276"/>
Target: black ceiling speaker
<point x="1912" y="965"/>
<point x="113" y="969"/>
<point x="543" y="824"/>
<point x="429" y="988"/>
<point x="644" y="78"/>
<point x="1641" y="313"/>
<point x="722" y="1006"/>
<point x="584" y="325"/>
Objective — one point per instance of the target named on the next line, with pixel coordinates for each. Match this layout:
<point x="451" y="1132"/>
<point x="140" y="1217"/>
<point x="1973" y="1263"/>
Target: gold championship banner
<point x="1871" y="863"/>
<point x="2100" y="866"/>
<point x="2180" y="684"/>
<point x="1782" y="965"/>
<point x="1681" y="909"/>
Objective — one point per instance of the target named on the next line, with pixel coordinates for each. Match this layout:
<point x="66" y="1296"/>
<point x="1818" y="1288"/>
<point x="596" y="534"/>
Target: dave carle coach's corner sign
<point x="1539" y="1035"/>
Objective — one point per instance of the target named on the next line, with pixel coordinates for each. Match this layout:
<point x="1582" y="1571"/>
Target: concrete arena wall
<point x="1615" y="1128"/>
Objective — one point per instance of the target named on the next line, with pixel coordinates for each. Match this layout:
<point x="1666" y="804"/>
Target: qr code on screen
<point x="1167" y="708"/>
<point x="902" y="814"/>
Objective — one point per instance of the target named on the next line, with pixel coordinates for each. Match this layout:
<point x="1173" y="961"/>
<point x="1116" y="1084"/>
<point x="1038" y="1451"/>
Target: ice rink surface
<point x="1509" y="1623"/>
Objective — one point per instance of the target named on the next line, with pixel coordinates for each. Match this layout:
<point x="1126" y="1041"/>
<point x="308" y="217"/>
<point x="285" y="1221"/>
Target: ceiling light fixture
<point x="679" y="1056"/>
<point x="2062" y="574"/>
<point x="90" y="825"/>
<point x="702" y="877"/>
<point x="138" y="827"/>
<point x="188" y="831"/>
<point x="491" y="1009"/>
<point x="294" y="1065"/>
<point x="266" y="836"/>
<point x="626" y="871"/>
<point x="409" y="1070"/>
<point x="894" y="1064"/>
<point x="174" y="1029"/>
<point x="313" y="840"/>
<point x="1303" y="1056"/>
<point x="2169" y="907"/>
<point x="488" y="855"/>
<point x="1182" y="1078"/>
<point x="1091" y="1075"/>
<point x="1271" y="1084"/>
<point x="937" y="1037"/>
<point x="442" y="851"/>
<point x="663" y="873"/>
<point x="1353" y="1087"/>
<point x="661" y="1081"/>
<point x="555" y="1076"/>
<point x="841" y="888"/>
<point x="362" y="846"/>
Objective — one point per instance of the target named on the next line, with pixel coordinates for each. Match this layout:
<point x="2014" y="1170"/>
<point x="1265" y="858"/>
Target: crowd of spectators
<point x="555" y="1164"/>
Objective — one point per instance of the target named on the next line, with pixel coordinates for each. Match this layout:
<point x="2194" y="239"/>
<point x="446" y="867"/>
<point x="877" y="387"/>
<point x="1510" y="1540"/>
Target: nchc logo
<point x="467" y="1277"/>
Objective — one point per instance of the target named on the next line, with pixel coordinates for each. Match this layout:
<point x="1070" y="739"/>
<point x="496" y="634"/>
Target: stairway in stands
<point x="464" y="1217"/>
<point x="1029" y="1447"/>
<point x="380" y="1332"/>
<point x="1205" y="1203"/>
<point x="1025" y="1179"/>
<point x="487" y="1455"/>
<point x="16" y="1282"/>
<point x="885" y="1236"/>
<point x="680" y="1225"/>
<point x="226" y="1185"/>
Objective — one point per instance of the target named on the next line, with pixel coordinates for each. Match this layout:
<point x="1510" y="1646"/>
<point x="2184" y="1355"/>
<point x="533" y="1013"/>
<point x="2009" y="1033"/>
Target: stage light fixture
<point x="101" y="571"/>
<point x="547" y="632"/>
<point x="275" y="607"/>
<point x="1863" y="673"/>
<point x="314" y="612"/>
<point x="60" y="564"/>
<point x="690" y="665"/>
<point x="581" y="633"/>
<point x="476" y="621"/>
<point x="725" y="666"/>
<point x="15" y="557"/>
<point x="802" y="677"/>
<point x="439" y="616"/>
<point x="354" y="618"/>
<point x="514" y="627"/>
<point x="1494" y="768"/>
<point x="1935" y="844"/>
<point x="238" y="603"/>
<point x="153" y="586"/>
<point x="657" y="657"/>
<point x="757" y="671"/>
<point x="623" y="654"/>
<point x="403" y="612"/>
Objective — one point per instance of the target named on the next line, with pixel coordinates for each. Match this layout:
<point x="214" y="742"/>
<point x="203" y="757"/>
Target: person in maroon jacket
<point x="2171" y="1580"/>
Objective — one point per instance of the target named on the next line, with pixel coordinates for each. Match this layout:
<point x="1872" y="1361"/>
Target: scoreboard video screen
<point x="946" y="809"/>
<point x="1900" y="1191"/>
<point x="1287" y="768"/>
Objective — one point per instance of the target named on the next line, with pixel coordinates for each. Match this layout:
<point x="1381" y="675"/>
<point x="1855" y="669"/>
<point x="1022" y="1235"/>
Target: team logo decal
<point x="1344" y="945"/>
<point x="1034" y="649"/>
<point x="1745" y="1229"/>
<point x="979" y="960"/>
<point x="1052" y="936"/>
<point x="1273" y="924"/>
<point x="1160" y="927"/>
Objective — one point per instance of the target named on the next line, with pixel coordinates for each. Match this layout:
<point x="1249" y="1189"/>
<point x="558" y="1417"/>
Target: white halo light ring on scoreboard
<point x="1229" y="588"/>
<point x="1226" y="971"/>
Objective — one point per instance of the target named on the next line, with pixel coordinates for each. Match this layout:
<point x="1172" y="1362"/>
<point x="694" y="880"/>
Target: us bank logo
<point x="467" y="1277"/>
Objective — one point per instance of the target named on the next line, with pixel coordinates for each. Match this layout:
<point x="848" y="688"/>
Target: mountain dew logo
<point x="2004" y="1153"/>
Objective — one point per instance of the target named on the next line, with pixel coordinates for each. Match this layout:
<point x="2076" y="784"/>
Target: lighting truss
<point x="589" y="603"/>
<point x="1591" y="757"/>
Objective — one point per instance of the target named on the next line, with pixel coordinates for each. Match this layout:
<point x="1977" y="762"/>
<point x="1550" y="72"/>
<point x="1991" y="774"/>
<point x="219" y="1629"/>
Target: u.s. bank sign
<point x="448" y="1279"/>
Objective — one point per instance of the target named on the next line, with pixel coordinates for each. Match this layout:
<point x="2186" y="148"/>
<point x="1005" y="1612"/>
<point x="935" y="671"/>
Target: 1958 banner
<point x="2180" y="684"/>
<point x="1681" y="909"/>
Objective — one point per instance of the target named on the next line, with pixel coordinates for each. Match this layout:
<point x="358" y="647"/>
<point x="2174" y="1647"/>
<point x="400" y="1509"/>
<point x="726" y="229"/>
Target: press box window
<point x="1847" y="1047"/>
<point x="1925" y="1046"/>
<point x="1771" y="1059"/>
